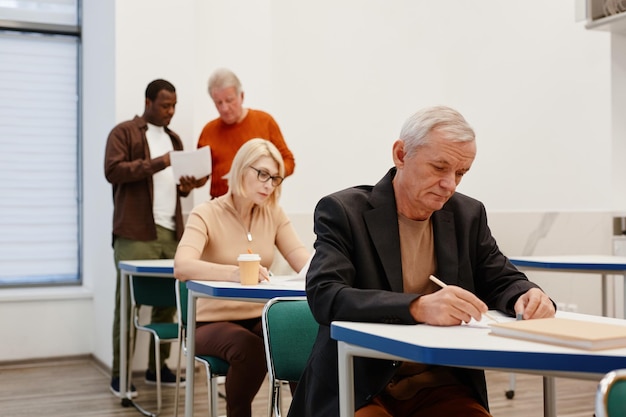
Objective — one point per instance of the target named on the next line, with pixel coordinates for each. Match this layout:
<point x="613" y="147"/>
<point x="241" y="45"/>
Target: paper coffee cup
<point x="249" y="268"/>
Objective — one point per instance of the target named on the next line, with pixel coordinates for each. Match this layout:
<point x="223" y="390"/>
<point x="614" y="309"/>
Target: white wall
<point x="340" y="78"/>
<point x="99" y="115"/>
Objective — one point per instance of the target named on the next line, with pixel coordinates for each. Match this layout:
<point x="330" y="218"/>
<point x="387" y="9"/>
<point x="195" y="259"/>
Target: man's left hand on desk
<point x="535" y="304"/>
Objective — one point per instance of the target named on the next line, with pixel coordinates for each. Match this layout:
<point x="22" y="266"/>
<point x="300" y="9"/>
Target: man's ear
<point x="398" y="153"/>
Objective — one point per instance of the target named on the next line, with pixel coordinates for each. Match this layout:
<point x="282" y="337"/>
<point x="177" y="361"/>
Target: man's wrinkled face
<point x="228" y="103"/>
<point x="428" y="177"/>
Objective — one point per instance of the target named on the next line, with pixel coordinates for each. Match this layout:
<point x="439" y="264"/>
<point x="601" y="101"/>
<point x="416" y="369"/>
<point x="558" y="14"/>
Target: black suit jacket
<point x="356" y="275"/>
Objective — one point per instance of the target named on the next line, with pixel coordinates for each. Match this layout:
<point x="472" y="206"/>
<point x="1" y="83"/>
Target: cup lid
<point x="249" y="257"/>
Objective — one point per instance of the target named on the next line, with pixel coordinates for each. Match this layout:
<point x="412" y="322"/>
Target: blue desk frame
<point x="281" y="287"/>
<point x="470" y="348"/>
<point x="227" y="290"/>
<point x="153" y="268"/>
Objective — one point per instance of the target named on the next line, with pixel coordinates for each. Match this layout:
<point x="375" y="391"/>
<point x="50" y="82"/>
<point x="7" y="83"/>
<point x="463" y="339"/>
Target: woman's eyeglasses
<point x="265" y="176"/>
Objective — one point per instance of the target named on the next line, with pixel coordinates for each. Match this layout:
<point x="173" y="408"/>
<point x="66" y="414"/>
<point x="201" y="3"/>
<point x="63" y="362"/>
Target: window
<point x="39" y="165"/>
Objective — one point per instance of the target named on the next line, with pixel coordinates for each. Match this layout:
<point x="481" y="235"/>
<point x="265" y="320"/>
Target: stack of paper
<point x="565" y="332"/>
<point x="196" y="163"/>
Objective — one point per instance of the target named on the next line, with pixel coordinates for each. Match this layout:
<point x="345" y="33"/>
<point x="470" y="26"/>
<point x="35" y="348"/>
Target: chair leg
<point x="133" y="337"/>
<point x="157" y="359"/>
<point x="279" y="399"/>
<point x="212" y="391"/>
<point x="176" y="400"/>
<point x="270" y="403"/>
<point x="274" y="408"/>
<point x="157" y="365"/>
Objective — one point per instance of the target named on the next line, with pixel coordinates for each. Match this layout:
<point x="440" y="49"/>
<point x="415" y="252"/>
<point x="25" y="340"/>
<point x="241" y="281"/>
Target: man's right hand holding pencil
<point x="450" y="306"/>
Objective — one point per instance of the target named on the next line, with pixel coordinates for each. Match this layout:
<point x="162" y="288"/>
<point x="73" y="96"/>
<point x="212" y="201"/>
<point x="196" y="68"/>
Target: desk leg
<point x="549" y="397"/>
<point x="605" y="296"/>
<point x="191" y="353"/>
<point x="346" y="380"/>
<point x="624" y="299"/>
<point x="124" y="278"/>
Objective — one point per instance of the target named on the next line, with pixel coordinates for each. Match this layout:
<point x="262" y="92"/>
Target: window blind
<point x="39" y="216"/>
<point x="58" y="12"/>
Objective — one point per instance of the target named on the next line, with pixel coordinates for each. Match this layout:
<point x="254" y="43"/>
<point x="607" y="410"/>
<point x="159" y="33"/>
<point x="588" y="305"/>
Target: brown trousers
<point x="444" y="401"/>
<point x="240" y="343"/>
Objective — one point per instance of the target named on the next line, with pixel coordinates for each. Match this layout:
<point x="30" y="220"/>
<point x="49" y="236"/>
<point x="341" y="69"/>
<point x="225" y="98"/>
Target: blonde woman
<point x="246" y="218"/>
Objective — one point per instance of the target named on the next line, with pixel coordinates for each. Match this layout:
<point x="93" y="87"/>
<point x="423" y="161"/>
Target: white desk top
<point x="147" y="266"/>
<point x="474" y="347"/>
<point x="279" y="286"/>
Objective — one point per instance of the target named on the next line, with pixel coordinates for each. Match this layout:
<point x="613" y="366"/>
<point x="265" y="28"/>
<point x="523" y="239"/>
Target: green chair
<point x="215" y="367"/>
<point x="152" y="292"/>
<point x="611" y="394"/>
<point x="289" y="331"/>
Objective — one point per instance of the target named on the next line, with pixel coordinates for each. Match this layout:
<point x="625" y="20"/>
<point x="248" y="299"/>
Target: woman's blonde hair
<point x="246" y="156"/>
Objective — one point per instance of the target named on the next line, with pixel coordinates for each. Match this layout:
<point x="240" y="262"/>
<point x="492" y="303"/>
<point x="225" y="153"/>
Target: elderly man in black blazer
<point x="377" y="246"/>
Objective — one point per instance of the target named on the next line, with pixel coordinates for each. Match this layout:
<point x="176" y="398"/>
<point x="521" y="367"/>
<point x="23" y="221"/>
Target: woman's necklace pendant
<point x="249" y="237"/>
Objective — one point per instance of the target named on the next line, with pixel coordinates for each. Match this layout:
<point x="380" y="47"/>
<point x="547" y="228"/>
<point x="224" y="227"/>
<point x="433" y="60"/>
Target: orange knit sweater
<point x="225" y="141"/>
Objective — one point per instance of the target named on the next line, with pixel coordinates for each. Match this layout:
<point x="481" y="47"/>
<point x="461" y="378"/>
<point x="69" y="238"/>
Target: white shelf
<point x="596" y="20"/>
<point x="615" y="24"/>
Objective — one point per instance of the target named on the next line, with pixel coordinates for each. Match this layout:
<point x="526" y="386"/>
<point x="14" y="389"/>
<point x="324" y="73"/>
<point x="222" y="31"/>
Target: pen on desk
<point x="443" y="285"/>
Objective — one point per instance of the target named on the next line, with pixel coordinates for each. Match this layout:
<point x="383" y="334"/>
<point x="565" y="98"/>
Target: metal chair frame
<point x="611" y="395"/>
<point x="215" y="367"/>
<point x="152" y="292"/>
<point x="289" y="332"/>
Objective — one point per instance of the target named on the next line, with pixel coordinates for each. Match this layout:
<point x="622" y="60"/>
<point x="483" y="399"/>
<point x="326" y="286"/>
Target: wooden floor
<point x="80" y="387"/>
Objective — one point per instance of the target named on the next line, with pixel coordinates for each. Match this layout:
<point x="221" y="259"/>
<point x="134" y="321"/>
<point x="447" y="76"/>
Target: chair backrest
<point x="611" y="394"/>
<point x="289" y="331"/>
<point x="182" y="296"/>
<point x="153" y="291"/>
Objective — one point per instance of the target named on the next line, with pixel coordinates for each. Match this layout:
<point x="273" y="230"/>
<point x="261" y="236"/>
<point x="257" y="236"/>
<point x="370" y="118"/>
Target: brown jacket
<point x="129" y="169"/>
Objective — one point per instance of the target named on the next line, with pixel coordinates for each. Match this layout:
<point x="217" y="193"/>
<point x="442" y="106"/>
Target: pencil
<point x="443" y="285"/>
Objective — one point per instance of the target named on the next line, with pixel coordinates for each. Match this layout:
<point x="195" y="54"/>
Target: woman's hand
<point x="264" y="274"/>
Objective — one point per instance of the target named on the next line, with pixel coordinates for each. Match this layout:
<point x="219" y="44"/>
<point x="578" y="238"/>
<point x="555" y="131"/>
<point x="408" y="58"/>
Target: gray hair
<point x="224" y="78"/>
<point x="415" y="131"/>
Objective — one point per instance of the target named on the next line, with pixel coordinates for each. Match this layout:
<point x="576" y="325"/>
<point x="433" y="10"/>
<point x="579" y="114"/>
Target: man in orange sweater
<point x="235" y="126"/>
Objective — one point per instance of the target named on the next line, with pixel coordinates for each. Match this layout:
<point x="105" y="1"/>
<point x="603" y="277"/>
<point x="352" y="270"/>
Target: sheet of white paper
<point x="196" y="163"/>
<point x="485" y="322"/>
